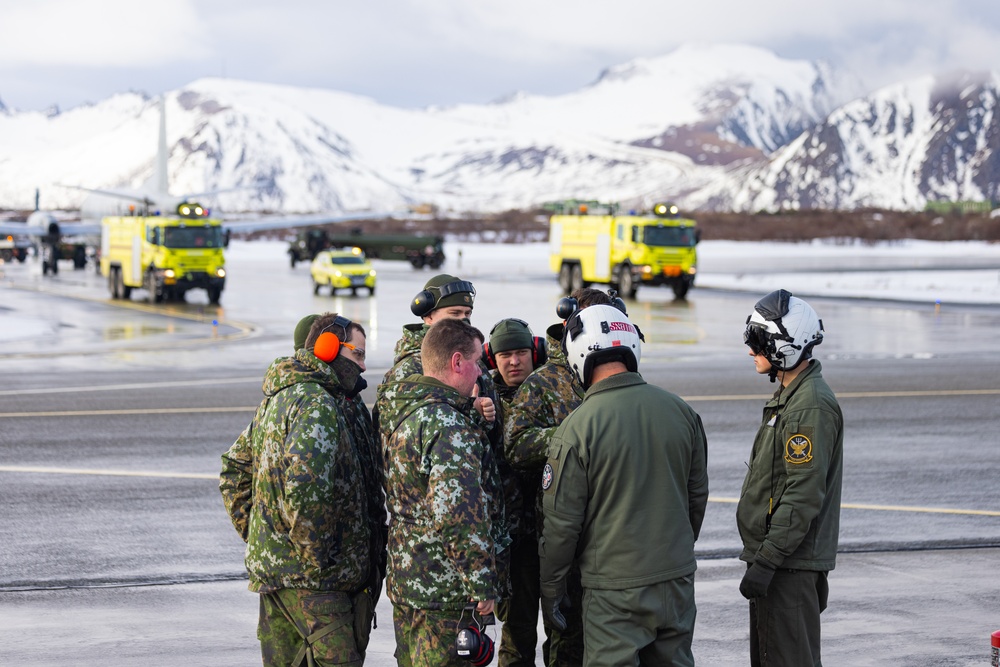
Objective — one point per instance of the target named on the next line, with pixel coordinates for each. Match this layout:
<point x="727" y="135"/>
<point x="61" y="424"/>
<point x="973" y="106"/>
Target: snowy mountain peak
<point x="722" y="126"/>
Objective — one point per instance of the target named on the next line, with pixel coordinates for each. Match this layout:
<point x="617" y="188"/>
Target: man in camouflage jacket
<point x="445" y="500"/>
<point x="453" y="299"/>
<point x="406" y="361"/>
<point x="302" y="485"/>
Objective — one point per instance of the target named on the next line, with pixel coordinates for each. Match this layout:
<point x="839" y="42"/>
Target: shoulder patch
<point x="798" y="449"/>
<point x="547" y="474"/>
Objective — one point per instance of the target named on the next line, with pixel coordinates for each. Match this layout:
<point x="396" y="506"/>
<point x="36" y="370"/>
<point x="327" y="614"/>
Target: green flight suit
<point x="625" y="488"/>
<point x="789" y="516"/>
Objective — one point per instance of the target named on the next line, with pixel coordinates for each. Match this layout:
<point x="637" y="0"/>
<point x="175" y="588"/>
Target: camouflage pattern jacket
<point x="299" y="486"/>
<point x="504" y="390"/>
<point x="447" y="522"/>
<point x="520" y="485"/>
<point x="407" y="362"/>
<point x="543" y="401"/>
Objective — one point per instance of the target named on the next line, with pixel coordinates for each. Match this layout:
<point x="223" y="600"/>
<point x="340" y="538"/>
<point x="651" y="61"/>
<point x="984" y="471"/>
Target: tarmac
<point x="936" y="607"/>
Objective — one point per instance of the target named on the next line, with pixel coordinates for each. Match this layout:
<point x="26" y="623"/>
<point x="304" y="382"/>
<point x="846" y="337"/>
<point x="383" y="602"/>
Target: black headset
<point x="538" y="352"/>
<point x="425" y="301"/>
<point x="572" y="329"/>
<point x="568" y="305"/>
<point x="474" y="645"/>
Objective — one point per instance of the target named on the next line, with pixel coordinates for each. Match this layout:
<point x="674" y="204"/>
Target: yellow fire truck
<point x="590" y="242"/>
<point x="165" y="255"/>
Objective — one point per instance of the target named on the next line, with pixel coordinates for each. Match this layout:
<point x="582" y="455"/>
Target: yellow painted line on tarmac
<point x="119" y="387"/>
<point x="854" y="394"/>
<point x="888" y="508"/>
<point x="130" y="411"/>
<point x="114" y="473"/>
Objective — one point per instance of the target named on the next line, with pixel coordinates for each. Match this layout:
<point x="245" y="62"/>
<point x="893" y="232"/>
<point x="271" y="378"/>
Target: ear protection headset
<point x="473" y="644"/>
<point x="538" y="353"/>
<point x="328" y="345"/>
<point x="568" y="305"/>
<point x="425" y="301"/>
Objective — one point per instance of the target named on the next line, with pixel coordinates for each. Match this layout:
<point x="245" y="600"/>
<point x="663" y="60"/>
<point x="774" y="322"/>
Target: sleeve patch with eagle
<point x="798" y="449"/>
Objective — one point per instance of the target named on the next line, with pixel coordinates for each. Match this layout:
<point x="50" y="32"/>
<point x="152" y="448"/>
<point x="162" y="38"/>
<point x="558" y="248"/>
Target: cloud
<point x="422" y="52"/>
<point x="100" y="33"/>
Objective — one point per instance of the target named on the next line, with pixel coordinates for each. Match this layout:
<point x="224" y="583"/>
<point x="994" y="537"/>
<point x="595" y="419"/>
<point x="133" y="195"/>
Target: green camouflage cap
<point x="510" y="334"/>
<point x="456" y="292"/>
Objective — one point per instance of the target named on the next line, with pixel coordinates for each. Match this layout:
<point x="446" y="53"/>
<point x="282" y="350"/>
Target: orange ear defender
<point x="328" y="345"/>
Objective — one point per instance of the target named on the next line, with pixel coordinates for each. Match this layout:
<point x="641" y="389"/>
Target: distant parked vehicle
<point x="342" y="269"/>
<point x="419" y="251"/>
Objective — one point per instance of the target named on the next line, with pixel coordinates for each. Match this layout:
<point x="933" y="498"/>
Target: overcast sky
<point x="415" y="53"/>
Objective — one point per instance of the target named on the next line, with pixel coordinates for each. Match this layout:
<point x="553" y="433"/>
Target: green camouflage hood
<point x="303" y="367"/>
<point x="409" y="344"/>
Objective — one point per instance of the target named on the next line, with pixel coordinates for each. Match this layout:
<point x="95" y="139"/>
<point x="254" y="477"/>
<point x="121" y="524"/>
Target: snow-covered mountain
<point x="707" y="126"/>
<point x="935" y="138"/>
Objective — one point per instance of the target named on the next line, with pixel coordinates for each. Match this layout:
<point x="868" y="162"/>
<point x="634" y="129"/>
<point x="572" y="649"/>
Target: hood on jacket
<point x="303" y="367"/>
<point x="400" y="399"/>
<point x="553" y="342"/>
<point x="409" y="344"/>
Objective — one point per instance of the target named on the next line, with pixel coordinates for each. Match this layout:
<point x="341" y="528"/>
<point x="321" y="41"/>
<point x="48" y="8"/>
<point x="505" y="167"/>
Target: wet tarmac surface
<point x="116" y="548"/>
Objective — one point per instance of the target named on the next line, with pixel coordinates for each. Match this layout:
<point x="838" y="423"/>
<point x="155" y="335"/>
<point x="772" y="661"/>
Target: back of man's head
<point x="444" y="339"/>
<point x="588" y="296"/>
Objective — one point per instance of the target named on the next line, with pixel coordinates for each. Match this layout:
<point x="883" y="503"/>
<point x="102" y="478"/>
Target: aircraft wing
<point x="291" y="222"/>
<point x="66" y="229"/>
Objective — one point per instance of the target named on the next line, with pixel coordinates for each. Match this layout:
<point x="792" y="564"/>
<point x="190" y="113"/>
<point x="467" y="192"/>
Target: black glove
<point x="552" y="610"/>
<point x="757" y="580"/>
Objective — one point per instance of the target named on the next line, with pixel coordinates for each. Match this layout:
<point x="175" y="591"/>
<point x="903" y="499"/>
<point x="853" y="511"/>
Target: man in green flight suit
<point x="445" y="499"/>
<point x="789" y="510"/>
<point x="625" y="488"/>
<point x="313" y="538"/>
<point x="542" y="402"/>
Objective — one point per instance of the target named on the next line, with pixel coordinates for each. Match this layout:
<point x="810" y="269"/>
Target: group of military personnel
<point x="508" y="474"/>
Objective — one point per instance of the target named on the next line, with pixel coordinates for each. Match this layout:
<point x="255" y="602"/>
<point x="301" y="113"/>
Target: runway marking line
<point x="887" y="508"/>
<point x="854" y="394"/>
<point x="113" y="473"/>
<point x="712" y="499"/>
<point x="129" y="411"/>
<point x="137" y="385"/>
<point x="170" y="411"/>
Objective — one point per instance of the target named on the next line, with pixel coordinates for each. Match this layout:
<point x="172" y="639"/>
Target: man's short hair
<point x="588" y="296"/>
<point x="325" y="322"/>
<point x="445" y="338"/>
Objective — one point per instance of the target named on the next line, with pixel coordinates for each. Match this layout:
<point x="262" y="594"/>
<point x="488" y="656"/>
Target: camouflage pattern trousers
<point x="426" y="637"/>
<point x="308" y="628"/>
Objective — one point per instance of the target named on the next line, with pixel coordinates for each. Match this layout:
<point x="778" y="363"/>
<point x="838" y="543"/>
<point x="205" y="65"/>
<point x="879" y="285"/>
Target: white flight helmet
<point x="600" y="333"/>
<point x="784" y="329"/>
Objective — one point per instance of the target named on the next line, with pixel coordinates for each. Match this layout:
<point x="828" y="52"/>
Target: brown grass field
<point x="870" y="226"/>
<point x="867" y="225"/>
